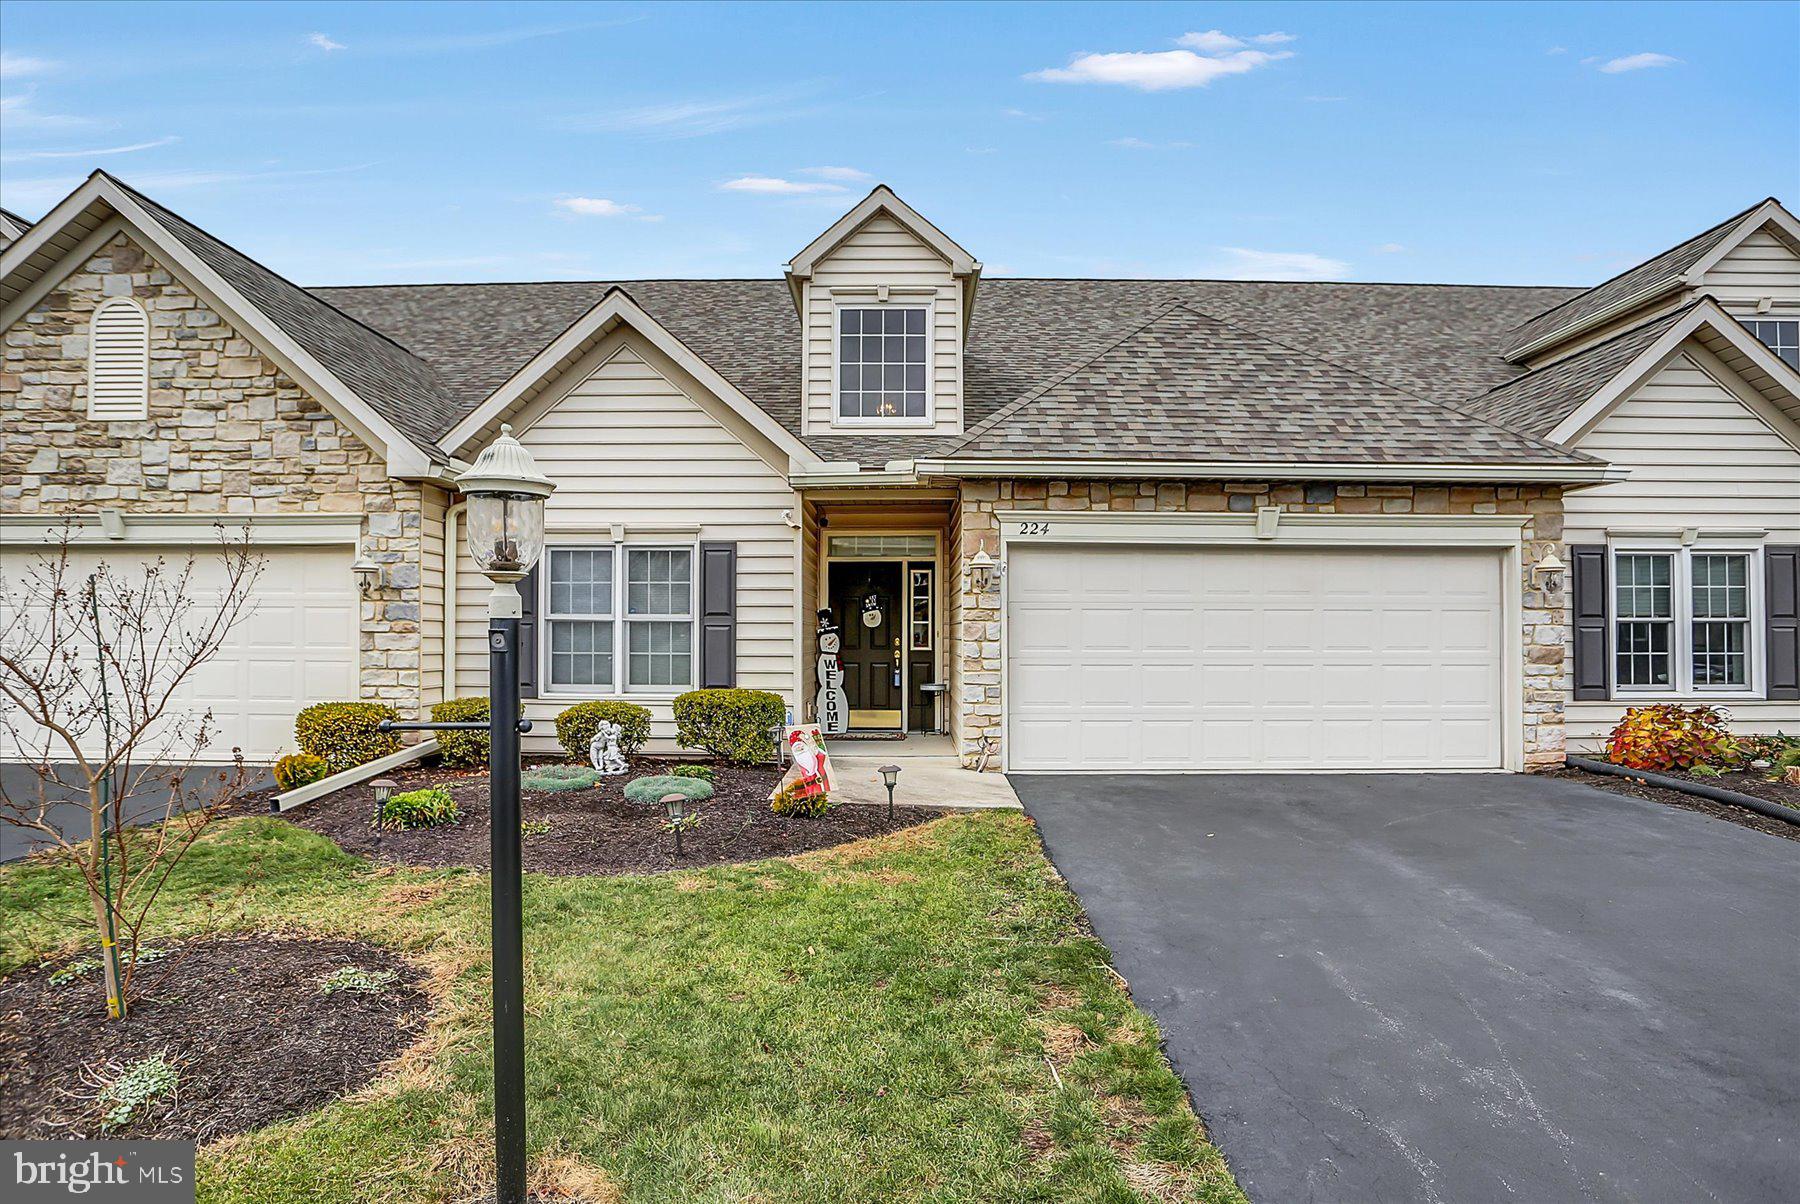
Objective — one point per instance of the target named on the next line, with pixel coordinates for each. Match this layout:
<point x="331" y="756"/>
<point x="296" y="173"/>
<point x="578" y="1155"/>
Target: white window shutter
<point x="119" y="362"/>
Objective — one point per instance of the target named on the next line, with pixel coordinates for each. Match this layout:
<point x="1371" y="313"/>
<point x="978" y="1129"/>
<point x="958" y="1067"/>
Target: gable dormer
<point x="884" y="299"/>
<point x="1749" y="263"/>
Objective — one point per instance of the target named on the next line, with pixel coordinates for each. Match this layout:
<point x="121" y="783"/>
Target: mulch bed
<point x="1752" y="783"/>
<point x="596" y="831"/>
<point x="253" y="1037"/>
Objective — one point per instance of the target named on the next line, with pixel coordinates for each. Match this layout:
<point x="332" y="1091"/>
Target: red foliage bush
<point x="1668" y="736"/>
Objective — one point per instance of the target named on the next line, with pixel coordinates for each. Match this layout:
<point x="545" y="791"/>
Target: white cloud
<point x="846" y="175"/>
<point x="1020" y="115"/>
<point x="1247" y="264"/>
<point x="19" y="114"/>
<point x="1557" y="50"/>
<point x="46" y="191"/>
<point x="1637" y="62"/>
<point x="1159" y="70"/>
<point x="599" y="206"/>
<point x="775" y="186"/>
<point x="1130" y="143"/>
<point x="1274" y="39"/>
<point x="692" y="118"/>
<point x="323" y="42"/>
<point x="1211" y="42"/>
<point x="1389" y="248"/>
<point x="17" y="66"/>
<point x="88" y="154"/>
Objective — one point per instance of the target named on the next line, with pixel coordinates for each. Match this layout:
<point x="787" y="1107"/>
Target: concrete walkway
<point x="1456" y="988"/>
<point x="930" y="775"/>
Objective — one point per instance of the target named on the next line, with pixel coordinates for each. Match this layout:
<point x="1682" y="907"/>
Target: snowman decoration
<point x="832" y="704"/>
<point x="603" y="749"/>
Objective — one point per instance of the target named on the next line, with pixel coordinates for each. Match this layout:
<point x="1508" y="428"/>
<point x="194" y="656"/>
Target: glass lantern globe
<point x="506" y="494"/>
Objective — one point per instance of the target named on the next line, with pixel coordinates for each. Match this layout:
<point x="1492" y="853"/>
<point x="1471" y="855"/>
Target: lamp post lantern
<point x="506" y="494"/>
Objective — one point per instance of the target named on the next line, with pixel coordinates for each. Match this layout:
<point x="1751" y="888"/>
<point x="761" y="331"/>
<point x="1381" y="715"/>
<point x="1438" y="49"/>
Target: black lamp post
<point x="506" y="494"/>
<point x="890" y="774"/>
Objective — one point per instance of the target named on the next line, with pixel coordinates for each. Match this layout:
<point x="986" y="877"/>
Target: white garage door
<point x="297" y="646"/>
<point x="1252" y="658"/>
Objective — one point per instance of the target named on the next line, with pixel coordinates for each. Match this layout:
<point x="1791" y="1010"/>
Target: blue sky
<point x="361" y="143"/>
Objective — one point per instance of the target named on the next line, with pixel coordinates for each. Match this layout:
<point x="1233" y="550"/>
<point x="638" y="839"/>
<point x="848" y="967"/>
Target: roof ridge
<point x="1012" y="407"/>
<point x="1712" y="229"/>
<point x="380" y="334"/>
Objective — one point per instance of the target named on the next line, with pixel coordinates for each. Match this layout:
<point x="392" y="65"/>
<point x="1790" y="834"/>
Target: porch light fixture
<point x="366" y="570"/>
<point x="984" y="574"/>
<point x="1550" y="572"/>
<point x="890" y="774"/>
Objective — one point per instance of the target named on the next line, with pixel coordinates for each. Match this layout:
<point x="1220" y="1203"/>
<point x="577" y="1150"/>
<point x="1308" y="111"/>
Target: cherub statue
<point x="603" y="749"/>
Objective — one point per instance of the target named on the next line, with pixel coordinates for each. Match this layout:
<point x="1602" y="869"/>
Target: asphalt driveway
<point x="1457" y="988"/>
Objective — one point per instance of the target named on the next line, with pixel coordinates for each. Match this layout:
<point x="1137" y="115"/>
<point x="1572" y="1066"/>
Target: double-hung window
<point x="619" y="619"/>
<point x="1780" y="335"/>
<point x="882" y="362"/>
<point x="1683" y="620"/>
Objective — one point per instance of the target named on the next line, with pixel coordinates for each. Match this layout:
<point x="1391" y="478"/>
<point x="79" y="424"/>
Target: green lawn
<point x="886" y="1021"/>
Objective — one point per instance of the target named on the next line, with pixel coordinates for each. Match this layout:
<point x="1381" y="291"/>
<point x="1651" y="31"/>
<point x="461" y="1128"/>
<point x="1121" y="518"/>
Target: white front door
<point x="1128" y="657"/>
<point x="297" y="646"/>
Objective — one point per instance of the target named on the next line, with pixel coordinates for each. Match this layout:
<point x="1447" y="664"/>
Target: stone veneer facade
<point x="977" y="679"/>
<point x="228" y="433"/>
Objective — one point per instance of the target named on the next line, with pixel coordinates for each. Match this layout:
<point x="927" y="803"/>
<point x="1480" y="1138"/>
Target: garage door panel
<point x="1283" y="658"/>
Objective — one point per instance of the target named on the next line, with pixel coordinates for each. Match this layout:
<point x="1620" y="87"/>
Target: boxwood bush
<point x="427" y="808"/>
<point x="462" y="750"/>
<point x="343" y="733"/>
<point x="734" y="724"/>
<point x="576" y="726"/>
<point x="299" y="769"/>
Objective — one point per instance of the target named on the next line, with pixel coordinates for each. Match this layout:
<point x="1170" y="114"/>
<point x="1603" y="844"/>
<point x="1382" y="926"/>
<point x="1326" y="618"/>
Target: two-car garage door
<point x="1196" y="658"/>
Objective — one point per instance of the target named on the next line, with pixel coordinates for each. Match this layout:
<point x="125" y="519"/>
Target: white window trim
<point x="1746" y="316"/>
<point x="928" y="304"/>
<point x="619" y="620"/>
<point x="141" y="412"/>
<point x="1681" y="648"/>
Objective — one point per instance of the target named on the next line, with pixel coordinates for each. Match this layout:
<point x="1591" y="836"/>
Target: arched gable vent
<point x="119" y="361"/>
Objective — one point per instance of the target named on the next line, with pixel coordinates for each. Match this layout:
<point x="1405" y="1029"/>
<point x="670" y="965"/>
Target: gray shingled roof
<point x="1434" y="341"/>
<point x="1540" y="400"/>
<point x="1188" y="386"/>
<point x="1652" y="277"/>
<point x="397" y="383"/>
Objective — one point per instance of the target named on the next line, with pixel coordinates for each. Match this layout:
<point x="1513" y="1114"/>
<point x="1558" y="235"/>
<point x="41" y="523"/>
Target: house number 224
<point x="1034" y="527"/>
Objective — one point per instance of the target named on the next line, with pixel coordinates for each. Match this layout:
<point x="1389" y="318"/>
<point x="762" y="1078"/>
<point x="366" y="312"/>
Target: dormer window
<point x="883" y="362"/>
<point x="1780" y="335"/>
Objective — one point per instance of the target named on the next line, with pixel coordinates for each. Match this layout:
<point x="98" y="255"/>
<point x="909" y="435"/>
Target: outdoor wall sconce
<point x="984" y="573"/>
<point x="890" y="774"/>
<point x="366" y="570"/>
<point x="1550" y="572"/>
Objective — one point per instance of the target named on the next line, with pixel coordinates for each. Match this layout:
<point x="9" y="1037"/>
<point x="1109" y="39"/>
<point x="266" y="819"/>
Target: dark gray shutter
<point x="718" y="615"/>
<point x="1781" y="584"/>
<point x="1587" y="579"/>
<point x="528" y="634"/>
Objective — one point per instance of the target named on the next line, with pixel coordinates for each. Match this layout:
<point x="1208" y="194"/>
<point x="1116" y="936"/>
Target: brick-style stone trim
<point x="977" y="679"/>
<point x="228" y="433"/>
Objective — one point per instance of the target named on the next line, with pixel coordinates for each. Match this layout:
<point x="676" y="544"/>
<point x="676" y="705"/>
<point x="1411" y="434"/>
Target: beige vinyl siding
<point x="883" y="252"/>
<point x="627" y="446"/>
<point x="1760" y="266"/>
<point x="1701" y="458"/>
<point x="433" y="503"/>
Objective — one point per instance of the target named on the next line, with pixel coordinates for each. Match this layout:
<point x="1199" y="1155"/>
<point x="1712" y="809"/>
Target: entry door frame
<point x="938" y="610"/>
<point x="1269" y="526"/>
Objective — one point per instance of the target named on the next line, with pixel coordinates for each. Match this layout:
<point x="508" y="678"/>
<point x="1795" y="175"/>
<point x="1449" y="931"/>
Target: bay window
<point x="1683" y="620"/>
<point x="619" y="619"/>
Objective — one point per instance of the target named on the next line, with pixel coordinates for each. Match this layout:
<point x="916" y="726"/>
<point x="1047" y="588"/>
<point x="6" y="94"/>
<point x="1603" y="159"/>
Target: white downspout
<point x="451" y="551"/>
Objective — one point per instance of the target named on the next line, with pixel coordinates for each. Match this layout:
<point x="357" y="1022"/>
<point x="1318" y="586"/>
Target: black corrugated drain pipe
<point x="1717" y="794"/>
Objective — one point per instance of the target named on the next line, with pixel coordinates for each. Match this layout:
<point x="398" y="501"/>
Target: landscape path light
<point x="505" y="494"/>
<point x="676" y="806"/>
<point x="890" y="775"/>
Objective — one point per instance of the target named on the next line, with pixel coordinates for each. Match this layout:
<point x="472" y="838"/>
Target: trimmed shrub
<point x="650" y="791"/>
<point x="794" y="805"/>
<point x="343" y="733"/>
<point x="703" y="772"/>
<point x="734" y="724"/>
<point x="576" y="726"/>
<point x="427" y="808"/>
<point x="1668" y="736"/>
<point x="559" y="777"/>
<point x="462" y="750"/>
<point x="299" y="769"/>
